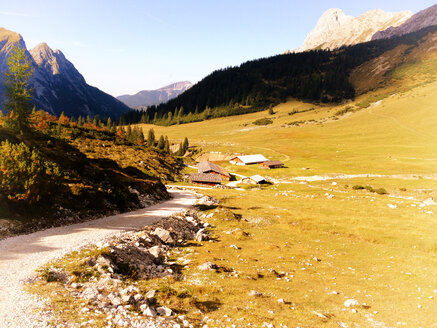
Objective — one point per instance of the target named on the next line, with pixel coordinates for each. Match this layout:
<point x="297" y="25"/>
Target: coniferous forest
<point x="318" y="75"/>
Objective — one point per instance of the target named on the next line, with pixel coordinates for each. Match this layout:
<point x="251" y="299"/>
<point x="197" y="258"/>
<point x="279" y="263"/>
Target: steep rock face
<point x="422" y="19"/>
<point x="58" y="86"/>
<point x="335" y="29"/>
<point x="155" y="97"/>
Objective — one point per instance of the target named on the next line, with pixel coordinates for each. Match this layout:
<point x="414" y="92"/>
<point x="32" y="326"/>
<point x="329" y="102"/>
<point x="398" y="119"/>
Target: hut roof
<point x="273" y="163"/>
<point x="206" y="178"/>
<point x="208" y="166"/>
<point x="252" y="159"/>
<point x="257" y="178"/>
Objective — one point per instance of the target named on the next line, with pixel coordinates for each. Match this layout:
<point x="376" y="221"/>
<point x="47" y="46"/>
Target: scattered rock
<point x="351" y="302"/>
<point x="208" y="266"/>
<point x="320" y="315"/>
<point x="255" y="293"/>
<point x="148" y="310"/>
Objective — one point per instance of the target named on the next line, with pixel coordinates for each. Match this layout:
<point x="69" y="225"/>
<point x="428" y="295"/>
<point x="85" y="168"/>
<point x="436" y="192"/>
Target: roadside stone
<point x="201" y="235"/>
<point x="138" y="298"/>
<point x="90" y="293"/>
<point x="151" y="294"/>
<point x="156" y="251"/>
<point x="128" y="299"/>
<point x="164" y="311"/>
<point x="114" y="299"/>
<point x="148" y="310"/>
<point x="164" y="235"/>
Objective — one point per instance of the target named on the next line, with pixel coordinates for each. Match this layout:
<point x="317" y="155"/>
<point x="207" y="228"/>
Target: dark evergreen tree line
<point x="317" y="75"/>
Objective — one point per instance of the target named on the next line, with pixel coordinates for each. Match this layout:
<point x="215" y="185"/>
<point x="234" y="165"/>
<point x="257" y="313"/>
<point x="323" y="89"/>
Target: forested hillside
<point x="319" y="76"/>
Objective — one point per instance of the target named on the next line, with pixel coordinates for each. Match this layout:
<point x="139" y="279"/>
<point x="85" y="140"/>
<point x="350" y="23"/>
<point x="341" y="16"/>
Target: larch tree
<point x="18" y="91"/>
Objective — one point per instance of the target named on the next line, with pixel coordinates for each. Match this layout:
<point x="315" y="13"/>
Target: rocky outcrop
<point x="422" y="19"/>
<point x="116" y="266"/>
<point x="155" y="97"/>
<point x="58" y="85"/>
<point x="335" y="29"/>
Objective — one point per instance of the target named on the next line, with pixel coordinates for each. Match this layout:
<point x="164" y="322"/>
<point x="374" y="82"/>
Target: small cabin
<point x="271" y="165"/>
<point x="254" y="179"/>
<point x="206" y="179"/>
<point x="248" y="159"/>
<point x="211" y="168"/>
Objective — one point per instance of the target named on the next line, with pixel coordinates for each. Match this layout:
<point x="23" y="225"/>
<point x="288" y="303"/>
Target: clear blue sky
<point x="124" y="46"/>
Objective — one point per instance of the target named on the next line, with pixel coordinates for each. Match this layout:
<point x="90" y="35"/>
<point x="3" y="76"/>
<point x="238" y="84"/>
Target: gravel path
<point x="21" y="255"/>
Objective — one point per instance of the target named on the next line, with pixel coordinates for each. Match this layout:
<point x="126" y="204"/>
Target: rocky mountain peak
<point x="335" y="29"/>
<point x="53" y="62"/>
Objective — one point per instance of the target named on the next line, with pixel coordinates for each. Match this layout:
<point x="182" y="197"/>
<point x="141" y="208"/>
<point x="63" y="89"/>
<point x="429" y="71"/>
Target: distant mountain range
<point x="155" y="97"/>
<point x="58" y="86"/>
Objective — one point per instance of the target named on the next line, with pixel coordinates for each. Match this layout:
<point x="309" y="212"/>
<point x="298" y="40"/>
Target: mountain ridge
<point x="420" y="20"/>
<point x="155" y="97"/>
<point x="58" y="85"/>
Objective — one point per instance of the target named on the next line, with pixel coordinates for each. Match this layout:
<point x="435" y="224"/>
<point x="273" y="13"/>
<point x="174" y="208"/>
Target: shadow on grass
<point x="208" y="306"/>
<point x="202" y="207"/>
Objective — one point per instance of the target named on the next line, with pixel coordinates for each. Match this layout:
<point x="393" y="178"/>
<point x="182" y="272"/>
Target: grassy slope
<point x="381" y="256"/>
<point x="396" y="136"/>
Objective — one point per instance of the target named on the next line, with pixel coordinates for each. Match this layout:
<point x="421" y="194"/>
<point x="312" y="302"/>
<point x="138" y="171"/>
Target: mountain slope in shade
<point x="155" y="97"/>
<point x="335" y="29"/>
<point x="58" y="86"/>
<point x="422" y="19"/>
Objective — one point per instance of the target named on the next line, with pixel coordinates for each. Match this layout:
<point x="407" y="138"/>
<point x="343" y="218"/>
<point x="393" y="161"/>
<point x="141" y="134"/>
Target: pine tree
<point x="109" y="123"/>
<point x="181" y="151"/>
<point x="129" y="133"/>
<point x="167" y="145"/>
<point x="161" y="143"/>
<point x="185" y="145"/>
<point x="18" y="90"/>
<point x="181" y="112"/>
<point x="151" y="138"/>
<point x="141" y="137"/>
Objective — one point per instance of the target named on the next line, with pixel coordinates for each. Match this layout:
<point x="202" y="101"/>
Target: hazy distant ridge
<point x="155" y="97"/>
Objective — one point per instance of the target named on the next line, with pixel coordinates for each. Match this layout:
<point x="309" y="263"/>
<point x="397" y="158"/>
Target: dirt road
<point x="20" y="256"/>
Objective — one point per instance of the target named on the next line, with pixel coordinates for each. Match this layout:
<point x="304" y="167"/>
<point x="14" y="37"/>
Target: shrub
<point x="357" y="187"/>
<point x="24" y="174"/>
<point x="370" y="188"/>
<point x="263" y="121"/>
<point x="381" y="191"/>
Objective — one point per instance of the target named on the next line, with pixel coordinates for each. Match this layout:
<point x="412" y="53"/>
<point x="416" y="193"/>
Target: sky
<point x="126" y="46"/>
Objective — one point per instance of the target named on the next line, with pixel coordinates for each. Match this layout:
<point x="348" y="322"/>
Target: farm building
<point x="254" y="179"/>
<point x="248" y="159"/>
<point x="271" y="164"/>
<point x="208" y="167"/>
<point x="205" y="178"/>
